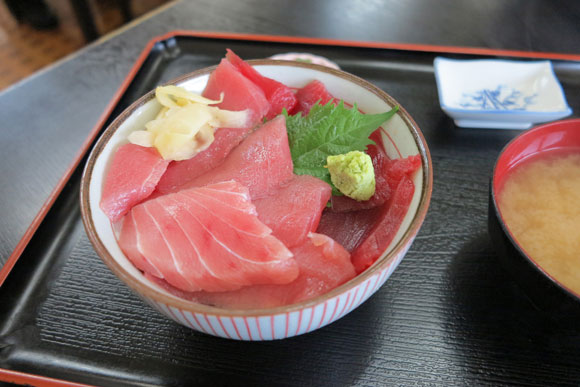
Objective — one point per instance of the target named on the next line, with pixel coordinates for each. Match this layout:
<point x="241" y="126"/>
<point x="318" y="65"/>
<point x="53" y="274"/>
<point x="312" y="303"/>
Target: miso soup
<point x="540" y="204"/>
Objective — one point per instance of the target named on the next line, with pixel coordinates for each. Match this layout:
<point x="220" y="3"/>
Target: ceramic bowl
<point x="545" y="291"/>
<point x="403" y="138"/>
<point x="499" y="94"/>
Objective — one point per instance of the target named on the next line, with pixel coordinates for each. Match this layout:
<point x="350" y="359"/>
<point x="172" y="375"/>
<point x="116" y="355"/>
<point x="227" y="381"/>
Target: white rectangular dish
<point x="500" y="94"/>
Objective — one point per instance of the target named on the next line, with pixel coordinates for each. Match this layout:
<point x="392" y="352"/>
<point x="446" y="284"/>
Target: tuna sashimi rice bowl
<point x="257" y="200"/>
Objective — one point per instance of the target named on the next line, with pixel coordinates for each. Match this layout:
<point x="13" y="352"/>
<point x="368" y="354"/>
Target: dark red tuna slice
<point x="347" y="228"/>
<point x="384" y="230"/>
<point x="388" y="174"/>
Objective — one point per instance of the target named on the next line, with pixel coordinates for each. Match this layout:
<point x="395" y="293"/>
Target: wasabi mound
<point x="353" y="174"/>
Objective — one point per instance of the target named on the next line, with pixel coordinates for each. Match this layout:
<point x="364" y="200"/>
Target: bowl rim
<point x="523" y="114"/>
<point x="529" y="133"/>
<point x="193" y="307"/>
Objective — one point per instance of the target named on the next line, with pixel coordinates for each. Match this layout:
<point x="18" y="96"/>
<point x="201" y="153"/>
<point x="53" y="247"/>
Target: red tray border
<point x="37" y="380"/>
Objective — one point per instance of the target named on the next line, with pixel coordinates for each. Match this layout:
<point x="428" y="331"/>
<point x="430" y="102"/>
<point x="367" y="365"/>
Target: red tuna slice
<point x="398" y="168"/>
<point x="313" y="92"/>
<point x="392" y="169"/>
<point x="132" y="177"/>
<point x="239" y="92"/>
<point x="347" y="228"/>
<point x="262" y="162"/>
<point x="382" y="186"/>
<point x="207" y="238"/>
<point x="294" y="210"/>
<point x="324" y="265"/>
<point x="278" y="95"/>
<point x="384" y="230"/>
<point x="388" y="173"/>
<point x="181" y="172"/>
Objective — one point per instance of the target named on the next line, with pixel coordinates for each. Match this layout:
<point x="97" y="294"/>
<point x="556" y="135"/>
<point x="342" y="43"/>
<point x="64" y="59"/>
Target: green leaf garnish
<point x="329" y="130"/>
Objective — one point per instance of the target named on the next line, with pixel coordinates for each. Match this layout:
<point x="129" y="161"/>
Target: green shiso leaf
<point x="329" y="130"/>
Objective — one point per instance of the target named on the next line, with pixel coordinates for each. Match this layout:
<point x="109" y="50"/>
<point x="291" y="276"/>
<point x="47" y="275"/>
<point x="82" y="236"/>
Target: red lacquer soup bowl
<point x="543" y="289"/>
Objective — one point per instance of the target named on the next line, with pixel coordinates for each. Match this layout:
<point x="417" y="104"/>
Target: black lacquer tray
<point x="448" y="315"/>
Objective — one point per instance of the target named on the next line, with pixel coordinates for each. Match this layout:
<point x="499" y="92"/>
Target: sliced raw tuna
<point x="347" y="228"/>
<point x="132" y="177"/>
<point x="206" y="238"/>
<point x="130" y="243"/>
<point x="392" y="170"/>
<point x="262" y="162"/>
<point x="278" y="95"/>
<point x="397" y="168"/>
<point x="324" y="265"/>
<point x="382" y="187"/>
<point x="388" y="174"/>
<point x="239" y="92"/>
<point x="313" y="92"/>
<point x="294" y="210"/>
<point x="386" y="227"/>
<point x="226" y="79"/>
<point x="181" y="172"/>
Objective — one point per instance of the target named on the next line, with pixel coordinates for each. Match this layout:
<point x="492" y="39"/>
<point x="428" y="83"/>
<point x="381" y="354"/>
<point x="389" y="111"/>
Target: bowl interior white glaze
<point x="399" y="142"/>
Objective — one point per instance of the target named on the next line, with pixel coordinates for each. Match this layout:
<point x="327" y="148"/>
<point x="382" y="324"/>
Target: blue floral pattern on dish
<point x="502" y="98"/>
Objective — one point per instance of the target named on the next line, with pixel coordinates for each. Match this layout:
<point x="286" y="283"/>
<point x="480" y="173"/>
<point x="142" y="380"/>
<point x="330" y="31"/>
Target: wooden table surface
<point x="45" y="119"/>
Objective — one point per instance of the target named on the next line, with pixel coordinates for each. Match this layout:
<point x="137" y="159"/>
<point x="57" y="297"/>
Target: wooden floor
<point x="24" y="50"/>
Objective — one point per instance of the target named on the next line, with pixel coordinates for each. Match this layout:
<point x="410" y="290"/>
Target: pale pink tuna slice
<point x="153" y="235"/>
<point x="324" y="265"/>
<point x="132" y="177"/>
<point x="181" y="172"/>
<point x="209" y="238"/>
<point x="294" y="210"/>
<point x="240" y="256"/>
<point x="184" y="256"/>
<point x="239" y="92"/>
<point x="130" y="243"/>
<point x="262" y="162"/>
